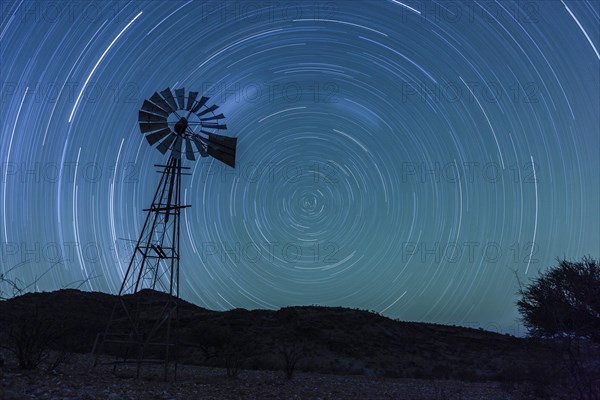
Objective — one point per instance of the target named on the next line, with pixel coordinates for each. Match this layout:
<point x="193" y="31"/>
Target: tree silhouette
<point x="563" y="305"/>
<point x="563" y="301"/>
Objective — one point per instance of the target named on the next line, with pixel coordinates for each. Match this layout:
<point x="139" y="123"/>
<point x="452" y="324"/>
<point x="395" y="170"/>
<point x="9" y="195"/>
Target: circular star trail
<point x="410" y="158"/>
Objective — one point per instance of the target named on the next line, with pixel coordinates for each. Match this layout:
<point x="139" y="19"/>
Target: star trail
<point x="407" y="157"/>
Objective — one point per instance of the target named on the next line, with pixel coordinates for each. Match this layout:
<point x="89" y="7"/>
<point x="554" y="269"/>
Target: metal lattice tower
<point x="142" y="326"/>
<point x="155" y="261"/>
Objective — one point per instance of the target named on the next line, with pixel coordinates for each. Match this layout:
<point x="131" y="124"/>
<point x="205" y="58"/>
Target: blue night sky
<point x="402" y="157"/>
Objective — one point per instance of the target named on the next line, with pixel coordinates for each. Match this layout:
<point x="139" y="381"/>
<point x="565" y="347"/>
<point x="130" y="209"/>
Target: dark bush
<point x="32" y="336"/>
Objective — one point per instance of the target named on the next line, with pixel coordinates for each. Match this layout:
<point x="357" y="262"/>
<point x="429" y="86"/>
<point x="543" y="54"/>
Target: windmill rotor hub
<point x="181" y="126"/>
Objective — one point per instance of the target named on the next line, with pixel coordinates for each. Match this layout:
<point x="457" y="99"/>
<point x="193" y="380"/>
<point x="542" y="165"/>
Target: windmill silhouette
<point x="140" y="327"/>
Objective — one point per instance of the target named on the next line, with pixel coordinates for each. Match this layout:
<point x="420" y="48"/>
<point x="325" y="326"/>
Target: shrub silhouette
<point x="32" y="337"/>
<point x="291" y="352"/>
<point x="220" y="342"/>
<point x="212" y="339"/>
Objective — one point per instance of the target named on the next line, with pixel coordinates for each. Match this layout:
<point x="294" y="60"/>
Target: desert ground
<point x="75" y="380"/>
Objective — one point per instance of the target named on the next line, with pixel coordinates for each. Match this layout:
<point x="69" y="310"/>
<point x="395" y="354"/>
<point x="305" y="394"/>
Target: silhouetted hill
<point x="332" y="339"/>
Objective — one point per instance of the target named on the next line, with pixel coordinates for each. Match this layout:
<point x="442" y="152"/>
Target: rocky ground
<point x="74" y="380"/>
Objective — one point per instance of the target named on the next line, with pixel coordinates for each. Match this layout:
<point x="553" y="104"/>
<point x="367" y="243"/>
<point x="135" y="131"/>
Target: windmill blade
<point x="220" y="116"/>
<point x="189" y="150"/>
<point x="165" y="144"/>
<point x="168" y="96"/>
<point x="150" y="127"/>
<point x="199" y="104"/>
<point x="191" y="99"/>
<point x="209" y="109"/>
<point x="159" y="101"/>
<point x="200" y="146"/>
<point x="144" y="116"/>
<point x="213" y="125"/>
<point x="180" y="93"/>
<point x="154" y="109"/>
<point x="157" y="136"/>
<point x="177" y="148"/>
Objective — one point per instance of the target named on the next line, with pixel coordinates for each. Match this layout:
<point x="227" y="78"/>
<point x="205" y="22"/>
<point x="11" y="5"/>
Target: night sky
<point x="411" y="158"/>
